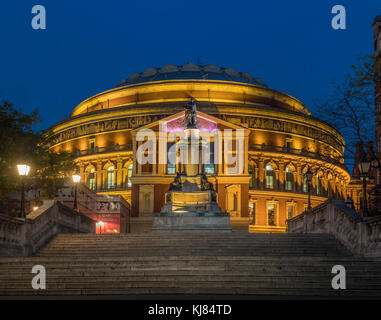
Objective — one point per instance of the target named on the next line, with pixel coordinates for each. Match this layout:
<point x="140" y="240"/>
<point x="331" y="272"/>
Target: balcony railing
<point x="301" y="152"/>
<point x="107" y="149"/>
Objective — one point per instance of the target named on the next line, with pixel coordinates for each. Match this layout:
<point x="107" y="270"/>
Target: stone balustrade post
<point x="362" y="236"/>
<point x="331" y="217"/>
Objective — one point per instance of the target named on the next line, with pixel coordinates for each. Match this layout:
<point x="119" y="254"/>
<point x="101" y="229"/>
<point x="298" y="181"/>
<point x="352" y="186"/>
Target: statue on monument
<point x="205" y="184"/>
<point x="176" y="184"/>
<point x="190" y="115"/>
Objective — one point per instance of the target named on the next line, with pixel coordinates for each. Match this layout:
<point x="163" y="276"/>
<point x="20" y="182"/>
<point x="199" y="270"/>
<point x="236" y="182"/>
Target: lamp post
<point x="309" y="175"/>
<point x="76" y="180"/>
<point x="23" y="170"/>
<point x="100" y="224"/>
<point x="364" y="168"/>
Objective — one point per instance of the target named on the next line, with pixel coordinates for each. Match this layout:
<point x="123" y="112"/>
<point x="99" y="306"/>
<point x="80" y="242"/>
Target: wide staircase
<point x="176" y="264"/>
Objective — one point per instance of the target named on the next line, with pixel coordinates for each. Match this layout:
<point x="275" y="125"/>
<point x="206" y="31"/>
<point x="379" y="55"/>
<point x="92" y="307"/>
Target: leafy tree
<point x="350" y="106"/>
<point x="19" y="143"/>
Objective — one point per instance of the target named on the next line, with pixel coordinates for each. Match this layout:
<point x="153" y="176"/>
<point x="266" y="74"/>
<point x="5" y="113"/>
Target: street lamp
<point x="23" y="170"/>
<point x="364" y="168"/>
<point x="100" y="224"/>
<point x="76" y="180"/>
<point x="309" y="176"/>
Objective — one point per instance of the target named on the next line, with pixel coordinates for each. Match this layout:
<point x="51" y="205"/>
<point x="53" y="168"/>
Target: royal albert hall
<point x="282" y="140"/>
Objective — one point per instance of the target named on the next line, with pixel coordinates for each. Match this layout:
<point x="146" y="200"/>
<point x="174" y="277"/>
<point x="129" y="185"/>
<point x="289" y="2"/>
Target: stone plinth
<point x="192" y="221"/>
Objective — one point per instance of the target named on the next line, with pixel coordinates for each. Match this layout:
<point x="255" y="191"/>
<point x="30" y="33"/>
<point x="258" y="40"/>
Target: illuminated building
<point x="282" y="140"/>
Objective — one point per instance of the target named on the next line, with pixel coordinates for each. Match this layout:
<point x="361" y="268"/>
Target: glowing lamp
<point x="76" y="178"/>
<point x="364" y="165"/>
<point x="23" y="169"/>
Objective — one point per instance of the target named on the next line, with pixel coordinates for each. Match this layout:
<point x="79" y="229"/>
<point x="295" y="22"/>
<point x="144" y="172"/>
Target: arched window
<point x="251" y="172"/>
<point x="269" y="177"/>
<point x="91" y="179"/>
<point x="318" y="186"/>
<point x="304" y="186"/>
<point x="111" y="177"/>
<point x="289" y="179"/>
<point x="129" y="174"/>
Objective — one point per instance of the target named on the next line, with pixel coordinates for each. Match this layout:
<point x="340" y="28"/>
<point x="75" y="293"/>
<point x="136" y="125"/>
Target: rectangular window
<point x="91" y="145"/>
<point x="289" y="142"/>
<point x="271" y="214"/>
<point x="290" y="211"/>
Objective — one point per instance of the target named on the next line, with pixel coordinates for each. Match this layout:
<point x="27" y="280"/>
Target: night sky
<point x="89" y="46"/>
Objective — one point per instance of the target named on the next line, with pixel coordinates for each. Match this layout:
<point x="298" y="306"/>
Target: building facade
<point x="281" y="142"/>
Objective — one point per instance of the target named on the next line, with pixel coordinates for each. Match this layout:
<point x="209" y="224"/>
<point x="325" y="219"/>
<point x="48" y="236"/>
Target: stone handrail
<point x="361" y="236"/>
<point x="24" y="237"/>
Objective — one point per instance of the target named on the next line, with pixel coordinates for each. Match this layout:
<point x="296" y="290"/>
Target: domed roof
<point x="191" y="71"/>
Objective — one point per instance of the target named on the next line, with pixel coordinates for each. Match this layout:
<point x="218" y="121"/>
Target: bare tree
<point x="350" y="106"/>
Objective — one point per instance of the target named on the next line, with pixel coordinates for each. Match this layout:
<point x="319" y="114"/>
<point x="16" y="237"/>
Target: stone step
<point x="110" y="252"/>
<point x="266" y="259"/>
<point x="68" y="268"/>
<point x="61" y="273"/>
<point x="191" y="263"/>
<point x="213" y="260"/>
<point x="165" y="291"/>
<point x="200" y="276"/>
<point x="185" y="282"/>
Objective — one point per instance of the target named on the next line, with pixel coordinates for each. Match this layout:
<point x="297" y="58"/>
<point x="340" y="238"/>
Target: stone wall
<point x="360" y="235"/>
<point x="24" y="237"/>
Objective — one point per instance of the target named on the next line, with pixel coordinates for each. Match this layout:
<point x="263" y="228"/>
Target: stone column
<point x="246" y="158"/>
<point x="134" y="169"/>
<point x="139" y="169"/>
<point x="99" y="175"/>
<point x="261" y="171"/>
<point x="220" y="148"/>
<point x="281" y="175"/>
<point x="155" y="159"/>
<point x="299" y="178"/>
<point x="119" y="173"/>
<point x="277" y="179"/>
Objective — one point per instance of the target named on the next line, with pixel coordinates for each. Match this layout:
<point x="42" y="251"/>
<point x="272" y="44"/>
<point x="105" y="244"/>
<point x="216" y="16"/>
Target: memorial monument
<point x="191" y="200"/>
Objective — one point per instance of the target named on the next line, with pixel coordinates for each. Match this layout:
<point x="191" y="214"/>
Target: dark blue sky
<point x="89" y="46"/>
